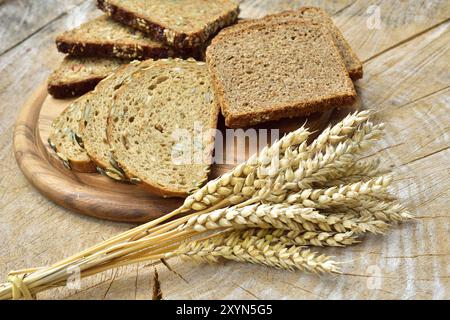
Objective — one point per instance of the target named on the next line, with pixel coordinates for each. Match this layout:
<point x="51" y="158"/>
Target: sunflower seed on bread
<point x="104" y="37"/>
<point x="180" y="24"/>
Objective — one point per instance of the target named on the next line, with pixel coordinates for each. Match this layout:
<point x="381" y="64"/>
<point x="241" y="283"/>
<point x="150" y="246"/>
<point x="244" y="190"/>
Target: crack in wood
<point x="343" y="8"/>
<point x="423" y="157"/>
<point x="303" y="289"/>
<point x="418" y="256"/>
<point x="110" y="283"/>
<point x="247" y="291"/>
<point x="157" y="292"/>
<point x="402" y="42"/>
<point x="166" y="264"/>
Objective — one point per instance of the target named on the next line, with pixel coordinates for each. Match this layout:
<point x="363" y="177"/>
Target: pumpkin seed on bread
<point x="69" y="138"/>
<point x="94" y="124"/>
<point x="161" y="113"/>
<point x="65" y="138"/>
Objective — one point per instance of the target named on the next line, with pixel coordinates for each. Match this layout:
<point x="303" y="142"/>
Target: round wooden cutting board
<point x="93" y="194"/>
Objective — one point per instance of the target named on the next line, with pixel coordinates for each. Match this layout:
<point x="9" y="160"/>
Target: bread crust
<point x="83" y="167"/>
<point x="355" y="69"/>
<point x="80" y="164"/>
<point x="166" y="192"/>
<point x="165" y="34"/>
<point x="94" y="157"/>
<point x="276" y="112"/>
<point x="60" y="90"/>
<point x="123" y="51"/>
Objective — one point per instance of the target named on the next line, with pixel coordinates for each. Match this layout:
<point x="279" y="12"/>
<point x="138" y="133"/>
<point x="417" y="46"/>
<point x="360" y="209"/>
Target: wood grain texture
<point x="93" y="194"/>
<point x="405" y="80"/>
<point x="373" y="27"/>
<point x="24" y="18"/>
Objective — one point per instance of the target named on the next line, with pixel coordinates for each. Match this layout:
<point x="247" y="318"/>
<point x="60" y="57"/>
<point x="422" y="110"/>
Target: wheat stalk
<point x="311" y="195"/>
<point x="253" y="177"/>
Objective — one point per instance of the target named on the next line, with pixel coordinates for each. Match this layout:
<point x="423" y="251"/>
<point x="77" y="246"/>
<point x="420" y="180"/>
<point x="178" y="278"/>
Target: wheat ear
<point x="281" y="216"/>
<point x="304" y="238"/>
<point x="258" y="251"/>
<point x="339" y="132"/>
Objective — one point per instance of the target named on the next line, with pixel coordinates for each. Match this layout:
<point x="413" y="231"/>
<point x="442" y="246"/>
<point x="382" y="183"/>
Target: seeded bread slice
<point x="160" y="126"/>
<point x="104" y="37"/>
<point x="318" y="16"/>
<point x="76" y="76"/>
<point x="181" y="24"/>
<point x="94" y="124"/>
<point x="275" y="70"/>
<point x="68" y="135"/>
<point x="65" y="138"/>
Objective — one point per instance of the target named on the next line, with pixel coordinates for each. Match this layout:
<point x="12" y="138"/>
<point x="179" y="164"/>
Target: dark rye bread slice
<point x="318" y="16"/>
<point x="94" y="124"/>
<point x="76" y="76"/>
<point x="65" y="138"/>
<point x="104" y="37"/>
<point x="181" y="24"/>
<point x="160" y="126"/>
<point x="276" y="70"/>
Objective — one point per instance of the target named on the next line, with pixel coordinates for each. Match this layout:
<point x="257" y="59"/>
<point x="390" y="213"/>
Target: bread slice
<point x="160" y="126"/>
<point x="94" y="125"/>
<point x="65" y="138"/>
<point x="318" y="16"/>
<point x="76" y="76"/>
<point x="275" y="70"/>
<point x="69" y="137"/>
<point x="104" y="37"/>
<point x="181" y="24"/>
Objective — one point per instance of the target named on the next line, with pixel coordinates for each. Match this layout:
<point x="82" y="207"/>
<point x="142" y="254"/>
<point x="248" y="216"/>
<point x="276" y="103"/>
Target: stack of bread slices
<point x="135" y="29"/>
<point x="149" y="122"/>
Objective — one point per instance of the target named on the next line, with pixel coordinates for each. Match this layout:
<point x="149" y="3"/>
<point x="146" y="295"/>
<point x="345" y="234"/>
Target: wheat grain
<point x="323" y="165"/>
<point x="360" y="171"/>
<point x="305" y="238"/>
<point x="239" y="184"/>
<point x="323" y="198"/>
<point x="333" y="198"/>
<point x="258" y="251"/>
<point x="339" y="132"/>
<point x="282" y="216"/>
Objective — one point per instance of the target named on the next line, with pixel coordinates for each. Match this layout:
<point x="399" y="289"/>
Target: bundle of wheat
<point x="265" y="211"/>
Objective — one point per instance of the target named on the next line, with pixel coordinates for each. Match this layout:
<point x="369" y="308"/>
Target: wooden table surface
<point x="405" y="46"/>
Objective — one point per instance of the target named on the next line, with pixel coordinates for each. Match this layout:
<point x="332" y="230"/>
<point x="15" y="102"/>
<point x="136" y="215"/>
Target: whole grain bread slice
<point x="317" y="16"/>
<point x="181" y="24"/>
<point x="76" y="76"/>
<point x="65" y="138"/>
<point x="275" y="70"/>
<point x="160" y="126"/>
<point x="94" y="125"/>
<point x="68" y="134"/>
<point x="105" y="37"/>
